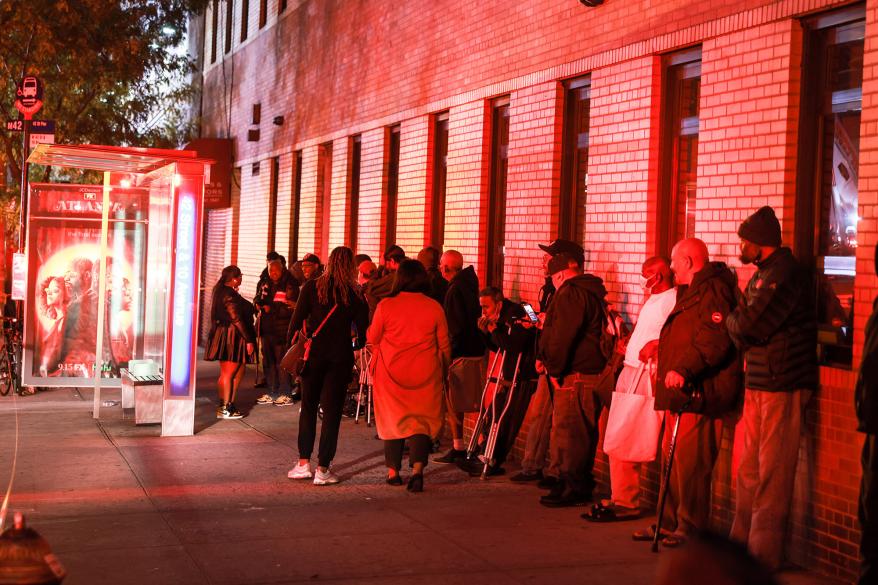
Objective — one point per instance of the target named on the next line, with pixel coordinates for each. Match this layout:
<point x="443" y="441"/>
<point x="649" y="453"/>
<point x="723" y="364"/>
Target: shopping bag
<point x="465" y="381"/>
<point x="633" y="425"/>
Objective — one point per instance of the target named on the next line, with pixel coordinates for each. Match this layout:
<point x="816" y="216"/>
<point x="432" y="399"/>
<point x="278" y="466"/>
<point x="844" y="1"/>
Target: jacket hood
<point x="467" y="277"/>
<point x="588" y="283"/>
<point x="715" y="270"/>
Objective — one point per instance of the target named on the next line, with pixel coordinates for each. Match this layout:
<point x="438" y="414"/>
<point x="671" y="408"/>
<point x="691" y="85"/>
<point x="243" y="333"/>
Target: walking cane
<point x="667" y="475"/>
<point x="496" y="378"/>
<point x="496" y="421"/>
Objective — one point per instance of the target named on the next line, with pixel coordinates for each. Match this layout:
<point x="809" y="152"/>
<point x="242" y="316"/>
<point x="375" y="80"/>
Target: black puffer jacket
<point x="777" y="327"/>
<point x="275" y="321"/>
<point x="866" y="394"/>
<point x="462" y="311"/>
<point x="695" y="343"/>
<point x="230" y="308"/>
<point x="571" y="337"/>
<point x="515" y="339"/>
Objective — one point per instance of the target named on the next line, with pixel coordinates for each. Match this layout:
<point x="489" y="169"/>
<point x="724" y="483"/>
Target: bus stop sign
<point x="29" y="96"/>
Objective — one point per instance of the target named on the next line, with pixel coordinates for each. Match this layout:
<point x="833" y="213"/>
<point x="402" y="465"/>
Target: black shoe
<point x="451" y="456"/>
<point x="524" y="476"/>
<point x="492" y="471"/>
<point x="565" y="499"/>
<point x="548" y="482"/>
<point x="260" y="384"/>
<point x="296" y="396"/>
<point x="434" y="448"/>
<point x="416" y="483"/>
<point x="395" y="480"/>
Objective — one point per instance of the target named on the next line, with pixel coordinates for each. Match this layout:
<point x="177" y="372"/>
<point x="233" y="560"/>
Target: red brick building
<point x="490" y="127"/>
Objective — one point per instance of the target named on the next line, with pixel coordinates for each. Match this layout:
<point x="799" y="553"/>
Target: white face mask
<point x="644" y="283"/>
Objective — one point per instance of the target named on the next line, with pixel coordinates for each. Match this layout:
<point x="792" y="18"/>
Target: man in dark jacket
<point x="275" y="301"/>
<point x="776" y="328"/>
<point x="699" y="374"/>
<point x="866" y="402"/>
<point x="502" y="328"/>
<point x="570" y="354"/>
<point x="381" y="286"/>
<point x="429" y="257"/>
<point x="462" y="311"/>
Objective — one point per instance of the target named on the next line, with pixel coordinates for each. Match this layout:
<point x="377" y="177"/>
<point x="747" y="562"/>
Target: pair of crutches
<point x="365" y="387"/>
<point x="495" y="376"/>
<point x="667" y="474"/>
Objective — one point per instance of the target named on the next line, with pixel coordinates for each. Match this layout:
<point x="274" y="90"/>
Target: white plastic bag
<point x="633" y="425"/>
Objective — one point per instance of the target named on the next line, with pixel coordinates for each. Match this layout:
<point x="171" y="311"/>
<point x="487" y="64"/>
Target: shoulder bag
<point x="296" y="358"/>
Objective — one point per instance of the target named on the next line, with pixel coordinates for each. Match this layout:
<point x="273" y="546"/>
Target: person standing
<point x="640" y="353"/>
<point x="231" y="340"/>
<point x="866" y="403"/>
<point x="275" y="302"/>
<point x="462" y="311"/>
<point x="699" y="374"/>
<point x="429" y="257"/>
<point x="570" y="354"/>
<point x="776" y="328"/>
<point x="411" y="357"/>
<point x="331" y="304"/>
<point x="382" y="285"/>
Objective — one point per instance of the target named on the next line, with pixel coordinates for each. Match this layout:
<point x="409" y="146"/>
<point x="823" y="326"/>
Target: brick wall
<point x="335" y="69"/>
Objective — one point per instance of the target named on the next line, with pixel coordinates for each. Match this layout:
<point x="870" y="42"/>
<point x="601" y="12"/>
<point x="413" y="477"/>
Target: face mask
<point x="644" y="283"/>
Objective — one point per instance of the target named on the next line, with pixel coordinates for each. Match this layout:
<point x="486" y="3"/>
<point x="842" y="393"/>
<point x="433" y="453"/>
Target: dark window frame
<point x="295" y="207"/>
<point x="497" y="184"/>
<point x="230" y="10"/>
<point x="440" y="124"/>
<point x="245" y="19"/>
<point x="355" y="148"/>
<point x="272" y="202"/>
<point x="571" y="200"/>
<point x="263" y="13"/>
<point x="214" y="25"/>
<point x="324" y="202"/>
<point x="391" y="201"/>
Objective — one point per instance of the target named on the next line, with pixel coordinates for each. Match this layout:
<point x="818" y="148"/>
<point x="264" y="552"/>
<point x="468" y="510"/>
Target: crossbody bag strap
<point x="322" y="323"/>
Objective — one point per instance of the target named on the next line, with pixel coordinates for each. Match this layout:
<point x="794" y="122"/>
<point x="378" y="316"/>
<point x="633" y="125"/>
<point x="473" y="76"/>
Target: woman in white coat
<point x="411" y="354"/>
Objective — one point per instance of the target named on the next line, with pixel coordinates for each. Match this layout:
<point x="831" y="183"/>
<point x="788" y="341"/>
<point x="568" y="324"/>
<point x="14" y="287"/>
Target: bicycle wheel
<point x="14" y="369"/>
<point x="6" y="380"/>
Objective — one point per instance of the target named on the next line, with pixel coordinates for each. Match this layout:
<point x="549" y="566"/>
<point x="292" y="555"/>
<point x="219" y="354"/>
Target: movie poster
<point x="66" y="303"/>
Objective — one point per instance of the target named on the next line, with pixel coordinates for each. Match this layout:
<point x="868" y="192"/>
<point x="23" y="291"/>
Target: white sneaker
<point x="324" y="477"/>
<point x="265" y="399"/>
<point x="300" y="472"/>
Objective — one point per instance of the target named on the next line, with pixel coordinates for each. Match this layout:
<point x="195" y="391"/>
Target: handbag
<point x="633" y="425"/>
<point x="464" y="384"/>
<point x="296" y="358"/>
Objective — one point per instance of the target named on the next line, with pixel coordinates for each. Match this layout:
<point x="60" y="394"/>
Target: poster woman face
<point x="54" y="294"/>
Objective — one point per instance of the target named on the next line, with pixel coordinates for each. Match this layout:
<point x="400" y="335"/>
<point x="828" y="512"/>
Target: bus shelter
<point x="114" y="272"/>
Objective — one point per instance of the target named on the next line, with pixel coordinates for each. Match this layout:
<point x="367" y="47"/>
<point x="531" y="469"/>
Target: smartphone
<point x="531" y="314"/>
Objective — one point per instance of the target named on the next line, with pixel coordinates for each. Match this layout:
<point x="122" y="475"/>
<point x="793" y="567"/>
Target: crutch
<point x="667" y="475"/>
<point x="365" y="387"/>
<point x="492" y="377"/>
<point x="496" y="421"/>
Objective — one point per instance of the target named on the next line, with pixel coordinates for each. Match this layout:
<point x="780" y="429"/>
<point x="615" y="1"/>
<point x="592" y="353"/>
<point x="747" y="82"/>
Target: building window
<point x="392" y="186"/>
<point x="497" y="190"/>
<point x="356" y="149"/>
<point x="228" y="37"/>
<point x="245" y="17"/>
<point x="324" y="199"/>
<point x="296" y="205"/>
<point x="574" y="163"/>
<point x="281" y="6"/>
<point x="214" y="25"/>
<point x="263" y="13"/>
<point x="827" y="202"/>
<point x="679" y="159"/>
<point x="272" y="203"/>
<point x="440" y="173"/>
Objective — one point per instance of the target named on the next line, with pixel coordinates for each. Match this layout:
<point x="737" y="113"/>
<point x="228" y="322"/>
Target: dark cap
<point x="561" y="262"/>
<point x="312" y="258"/>
<point x="762" y="228"/>
<point x="561" y="246"/>
<point x="393" y="250"/>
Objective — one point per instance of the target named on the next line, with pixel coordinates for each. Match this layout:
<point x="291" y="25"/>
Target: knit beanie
<point x="761" y="228"/>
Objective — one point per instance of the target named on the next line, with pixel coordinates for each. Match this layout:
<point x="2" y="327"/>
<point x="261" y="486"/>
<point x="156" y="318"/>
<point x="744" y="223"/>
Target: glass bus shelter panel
<point x="160" y="186"/>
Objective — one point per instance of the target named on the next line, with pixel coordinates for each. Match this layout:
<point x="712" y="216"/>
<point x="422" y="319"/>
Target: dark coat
<point x="379" y="288"/>
<point x="513" y="338"/>
<point x="777" y="327"/>
<point x="230" y="308"/>
<point x="462" y="311"/>
<point x="695" y="343"/>
<point x="275" y="322"/>
<point x="438" y="285"/>
<point x="571" y="337"/>
<point x="333" y="343"/>
<point x="866" y="393"/>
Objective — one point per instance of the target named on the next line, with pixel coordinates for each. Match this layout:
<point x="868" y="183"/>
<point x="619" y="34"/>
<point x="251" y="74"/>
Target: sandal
<point x="601" y="513"/>
<point x="673" y="540"/>
<point x="28" y="391"/>
<point x="647" y="534"/>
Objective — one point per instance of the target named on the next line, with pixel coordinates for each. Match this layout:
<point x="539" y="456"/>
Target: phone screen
<point x="531" y="314"/>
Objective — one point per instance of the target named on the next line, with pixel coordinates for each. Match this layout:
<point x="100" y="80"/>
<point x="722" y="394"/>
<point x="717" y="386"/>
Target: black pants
<point x="868" y="511"/>
<point x="419" y="449"/>
<point x="324" y="383"/>
<point x="276" y="379"/>
<point x="511" y="423"/>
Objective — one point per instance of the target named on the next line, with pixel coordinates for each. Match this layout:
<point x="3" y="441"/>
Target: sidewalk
<point x="119" y="504"/>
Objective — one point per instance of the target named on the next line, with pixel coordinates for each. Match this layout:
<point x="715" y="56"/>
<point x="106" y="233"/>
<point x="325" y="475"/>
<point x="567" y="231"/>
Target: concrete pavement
<point x="119" y="504"/>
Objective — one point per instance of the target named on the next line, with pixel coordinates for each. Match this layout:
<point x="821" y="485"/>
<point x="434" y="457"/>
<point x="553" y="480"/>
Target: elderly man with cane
<point x="698" y="381"/>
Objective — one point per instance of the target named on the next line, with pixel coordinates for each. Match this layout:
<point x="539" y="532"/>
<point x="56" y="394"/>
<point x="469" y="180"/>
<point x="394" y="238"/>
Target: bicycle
<point x="10" y="357"/>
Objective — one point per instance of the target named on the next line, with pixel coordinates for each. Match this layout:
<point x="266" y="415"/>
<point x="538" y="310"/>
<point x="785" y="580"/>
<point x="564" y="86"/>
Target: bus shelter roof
<point x="123" y="159"/>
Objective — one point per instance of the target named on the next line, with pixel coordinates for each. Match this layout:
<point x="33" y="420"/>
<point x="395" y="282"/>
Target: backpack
<point x="613" y="332"/>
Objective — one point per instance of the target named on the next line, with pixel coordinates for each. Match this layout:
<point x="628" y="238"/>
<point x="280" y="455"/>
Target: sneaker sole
<point x="321" y="482"/>
<point x="233" y="417"/>
<point x="310" y="476"/>
<point x="283" y="404"/>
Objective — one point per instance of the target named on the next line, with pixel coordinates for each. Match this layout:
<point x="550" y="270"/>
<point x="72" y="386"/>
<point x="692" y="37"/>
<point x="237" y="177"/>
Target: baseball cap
<point x="561" y="262"/>
<point x="312" y="258"/>
<point x="562" y="246"/>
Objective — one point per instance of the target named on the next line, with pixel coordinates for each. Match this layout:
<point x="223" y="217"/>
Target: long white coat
<point x="411" y="353"/>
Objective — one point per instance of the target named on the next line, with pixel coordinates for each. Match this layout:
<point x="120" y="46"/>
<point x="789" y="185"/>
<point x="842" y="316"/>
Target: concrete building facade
<point x="490" y="127"/>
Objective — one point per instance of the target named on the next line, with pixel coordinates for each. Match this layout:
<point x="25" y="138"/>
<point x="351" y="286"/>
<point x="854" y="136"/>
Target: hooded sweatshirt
<point x="571" y="336"/>
<point x="462" y="311"/>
